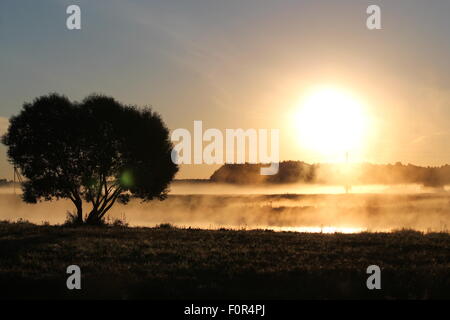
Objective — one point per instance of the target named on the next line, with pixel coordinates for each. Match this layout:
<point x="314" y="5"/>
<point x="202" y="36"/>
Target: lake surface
<point x="302" y="208"/>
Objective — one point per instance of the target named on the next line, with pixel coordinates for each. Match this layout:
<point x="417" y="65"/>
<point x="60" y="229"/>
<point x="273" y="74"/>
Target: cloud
<point x="4" y="124"/>
<point x="430" y="137"/>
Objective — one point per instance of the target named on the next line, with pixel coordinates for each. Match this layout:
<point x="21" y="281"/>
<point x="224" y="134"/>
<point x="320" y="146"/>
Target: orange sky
<point x="243" y="65"/>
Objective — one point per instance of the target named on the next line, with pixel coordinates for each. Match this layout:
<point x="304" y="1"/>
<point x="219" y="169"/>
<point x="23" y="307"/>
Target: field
<point x="171" y="263"/>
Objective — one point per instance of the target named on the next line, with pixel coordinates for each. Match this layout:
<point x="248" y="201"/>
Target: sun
<point x="331" y="121"/>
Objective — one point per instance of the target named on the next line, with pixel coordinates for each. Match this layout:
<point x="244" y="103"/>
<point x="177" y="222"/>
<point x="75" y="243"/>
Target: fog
<point x="283" y="207"/>
<point x="185" y="188"/>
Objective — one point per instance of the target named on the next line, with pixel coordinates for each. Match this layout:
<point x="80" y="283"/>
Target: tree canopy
<point x="96" y="153"/>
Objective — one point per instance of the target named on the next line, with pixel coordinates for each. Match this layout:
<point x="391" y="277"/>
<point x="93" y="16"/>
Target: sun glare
<point x="331" y="121"/>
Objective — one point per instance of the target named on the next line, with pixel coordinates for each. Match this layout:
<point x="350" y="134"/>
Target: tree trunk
<point x="99" y="209"/>
<point x="94" y="217"/>
<point x="79" y="212"/>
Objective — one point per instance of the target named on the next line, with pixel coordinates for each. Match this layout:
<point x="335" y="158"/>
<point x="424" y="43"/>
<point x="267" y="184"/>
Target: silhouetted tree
<point x="99" y="151"/>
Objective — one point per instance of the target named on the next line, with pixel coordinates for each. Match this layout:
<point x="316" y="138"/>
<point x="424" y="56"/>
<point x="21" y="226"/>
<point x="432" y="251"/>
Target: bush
<point x="166" y="226"/>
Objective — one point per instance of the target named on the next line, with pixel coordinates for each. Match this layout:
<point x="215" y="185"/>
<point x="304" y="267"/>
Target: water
<point x="300" y="208"/>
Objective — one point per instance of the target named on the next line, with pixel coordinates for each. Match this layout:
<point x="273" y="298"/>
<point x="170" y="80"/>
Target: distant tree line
<point x="5" y="183"/>
<point x="332" y="173"/>
<point x="289" y="172"/>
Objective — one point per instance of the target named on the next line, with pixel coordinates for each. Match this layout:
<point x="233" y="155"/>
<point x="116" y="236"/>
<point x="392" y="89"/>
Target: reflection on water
<point x="180" y="188"/>
<point x="311" y="229"/>
<point x="321" y="229"/>
<point x="324" y="209"/>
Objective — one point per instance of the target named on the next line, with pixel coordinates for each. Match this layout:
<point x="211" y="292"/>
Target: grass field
<point x="165" y="262"/>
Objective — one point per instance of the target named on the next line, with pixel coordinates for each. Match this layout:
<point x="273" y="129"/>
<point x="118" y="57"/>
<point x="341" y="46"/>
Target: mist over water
<point x="207" y="188"/>
<point x="310" y="208"/>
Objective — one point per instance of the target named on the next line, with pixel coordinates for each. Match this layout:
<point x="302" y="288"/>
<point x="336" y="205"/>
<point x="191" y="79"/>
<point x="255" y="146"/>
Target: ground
<point x="166" y="262"/>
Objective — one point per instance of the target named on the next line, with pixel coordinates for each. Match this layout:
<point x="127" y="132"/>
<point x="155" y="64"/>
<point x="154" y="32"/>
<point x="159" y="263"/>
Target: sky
<point x="241" y="64"/>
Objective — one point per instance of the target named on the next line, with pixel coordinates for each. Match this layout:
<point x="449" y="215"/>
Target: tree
<point x="96" y="153"/>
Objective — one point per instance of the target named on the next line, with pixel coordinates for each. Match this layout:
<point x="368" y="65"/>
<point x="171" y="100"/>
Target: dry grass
<point x="165" y="262"/>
